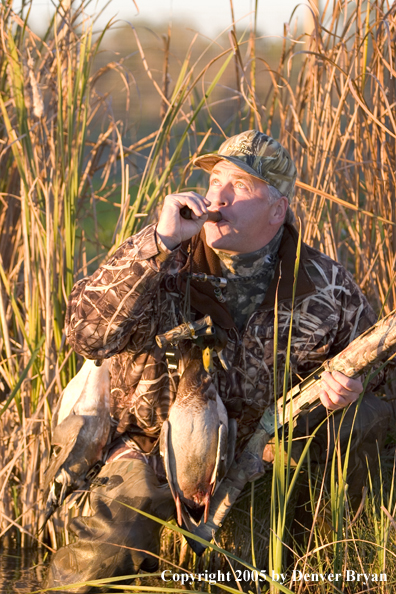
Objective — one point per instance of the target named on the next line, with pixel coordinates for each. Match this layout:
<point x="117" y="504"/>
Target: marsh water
<point x="21" y="570"/>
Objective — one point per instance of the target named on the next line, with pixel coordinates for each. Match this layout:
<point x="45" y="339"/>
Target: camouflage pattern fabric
<point x="248" y="278"/>
<point x="115" y="540"/>
<point x="119" y="309"/>
<point x="260" y="156"/>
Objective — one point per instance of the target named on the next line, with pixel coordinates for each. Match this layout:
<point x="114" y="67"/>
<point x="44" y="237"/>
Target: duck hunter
<point x="177" y="272"/>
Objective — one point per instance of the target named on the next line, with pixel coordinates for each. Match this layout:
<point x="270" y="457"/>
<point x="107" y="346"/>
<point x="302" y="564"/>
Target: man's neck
<point x="252" y="262"/>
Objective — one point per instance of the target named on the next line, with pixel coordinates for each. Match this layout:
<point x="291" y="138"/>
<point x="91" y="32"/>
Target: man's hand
<point x="339" y="390"/>
<point x="172" y="229"/>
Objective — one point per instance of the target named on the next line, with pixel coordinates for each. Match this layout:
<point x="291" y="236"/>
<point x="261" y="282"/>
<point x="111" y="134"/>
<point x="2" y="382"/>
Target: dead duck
<point x="197" y="444"/>
<point x="82" y="426"/>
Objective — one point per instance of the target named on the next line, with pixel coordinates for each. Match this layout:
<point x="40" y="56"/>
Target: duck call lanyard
<point x="218" y="283"/>
<point x="200" y="328"/>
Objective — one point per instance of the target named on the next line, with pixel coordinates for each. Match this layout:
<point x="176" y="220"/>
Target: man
<point x="145" y="289"/>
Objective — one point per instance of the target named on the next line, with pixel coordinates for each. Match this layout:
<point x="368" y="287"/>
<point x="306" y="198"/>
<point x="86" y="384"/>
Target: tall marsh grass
<point x="63" y="155"/>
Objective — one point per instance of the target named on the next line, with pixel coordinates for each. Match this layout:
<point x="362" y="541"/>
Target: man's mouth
<point x="220" y="218"/>
<point x="215" y="216"/>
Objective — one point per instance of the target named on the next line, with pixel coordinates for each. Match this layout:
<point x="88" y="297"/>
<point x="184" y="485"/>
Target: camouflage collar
<point x="284" y="273"/>
<point x="240" y="267"/>
<point x="205" y="260"/>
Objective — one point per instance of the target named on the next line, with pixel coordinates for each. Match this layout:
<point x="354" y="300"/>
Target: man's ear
<point x="278" y="211"/>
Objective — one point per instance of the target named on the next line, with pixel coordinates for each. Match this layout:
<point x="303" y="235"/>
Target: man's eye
<point x="215" y="182"/>
<point x="240" y="184"/>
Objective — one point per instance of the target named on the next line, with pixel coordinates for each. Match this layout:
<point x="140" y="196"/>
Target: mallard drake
<point x="197" y="444"/>
<point x="82" y="426"/>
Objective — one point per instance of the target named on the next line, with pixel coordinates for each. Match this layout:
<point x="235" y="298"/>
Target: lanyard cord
<point x="186" y="313"/>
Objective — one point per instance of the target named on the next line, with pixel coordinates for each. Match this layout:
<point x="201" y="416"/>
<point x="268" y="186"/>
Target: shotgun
<point x="377" y="344"/>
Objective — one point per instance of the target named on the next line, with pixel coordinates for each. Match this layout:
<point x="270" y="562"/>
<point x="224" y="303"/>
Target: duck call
<point x="215" y="217"/>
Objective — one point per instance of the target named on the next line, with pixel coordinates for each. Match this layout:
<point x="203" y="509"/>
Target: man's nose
<point x="221" y="196"/>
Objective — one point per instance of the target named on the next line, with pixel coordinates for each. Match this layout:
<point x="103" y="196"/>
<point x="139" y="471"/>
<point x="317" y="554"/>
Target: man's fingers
<point x="327" y="402"/>
<point x="194" y="201"/>
<point x="338" y="390"/>
<point x="341" y="383"/>
<point x="332" y="400"/>
<point x="172" y="228"/>
<point x="350" y="383"/>
<point x="336" y="387"/>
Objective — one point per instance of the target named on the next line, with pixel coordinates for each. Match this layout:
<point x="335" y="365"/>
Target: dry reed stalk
<point x="50" y="163"/>
<point x="47" y="164"/>
<point x="340" y="127"/>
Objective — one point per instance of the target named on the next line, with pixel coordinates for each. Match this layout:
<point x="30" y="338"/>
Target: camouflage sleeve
<point x="105" y="309"/>
<point x="356" y="316"/>
<point x="331" y="318"/>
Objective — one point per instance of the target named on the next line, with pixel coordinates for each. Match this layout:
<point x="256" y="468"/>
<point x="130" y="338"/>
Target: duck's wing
<point x="220" y="466"/>
<point x="232" y="435"/>
<point x="64" y="439"/>
<point x="71" y="393"/>
<point x="164" y="452"/>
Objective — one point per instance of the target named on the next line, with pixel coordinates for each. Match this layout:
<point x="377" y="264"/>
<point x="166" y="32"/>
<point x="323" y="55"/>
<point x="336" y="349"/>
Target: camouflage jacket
<point x="138" y="293"/>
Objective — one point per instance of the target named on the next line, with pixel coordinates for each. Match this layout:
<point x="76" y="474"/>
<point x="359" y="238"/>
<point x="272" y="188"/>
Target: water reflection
<point x="21" y="570"/>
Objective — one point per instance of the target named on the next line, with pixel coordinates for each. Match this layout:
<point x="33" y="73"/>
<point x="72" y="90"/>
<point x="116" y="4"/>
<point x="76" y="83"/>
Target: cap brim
<point x="207" y="162"/>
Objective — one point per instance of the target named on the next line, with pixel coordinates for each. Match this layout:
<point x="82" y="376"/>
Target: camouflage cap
<point x="257" y="154"/>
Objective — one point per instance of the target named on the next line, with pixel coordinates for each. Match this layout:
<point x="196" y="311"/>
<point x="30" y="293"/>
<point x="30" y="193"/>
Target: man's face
<point x="250" y="220"/>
